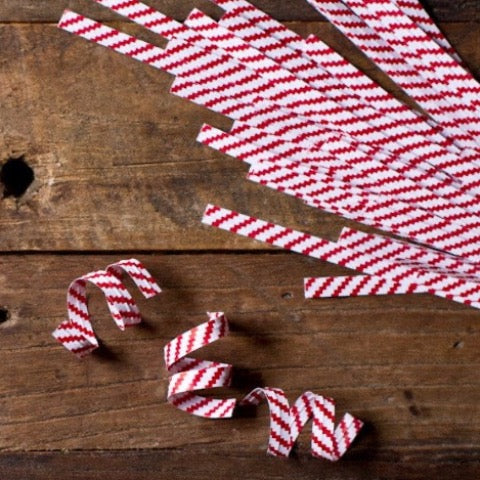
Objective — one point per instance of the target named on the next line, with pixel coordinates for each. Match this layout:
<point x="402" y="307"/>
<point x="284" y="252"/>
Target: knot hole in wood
<point x="16" y="176"/>
<point x="4" y="315"/>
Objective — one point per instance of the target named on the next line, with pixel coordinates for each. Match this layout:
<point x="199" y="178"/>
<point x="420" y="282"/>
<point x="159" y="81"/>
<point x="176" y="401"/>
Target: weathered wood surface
<point x="117" y="169"/>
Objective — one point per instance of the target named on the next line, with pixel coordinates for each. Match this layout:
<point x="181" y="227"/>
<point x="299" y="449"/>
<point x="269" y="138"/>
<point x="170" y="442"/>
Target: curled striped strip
<point x="287" y="422"/>
<point x="189" y="374"/>
<point x="76" y="333"/>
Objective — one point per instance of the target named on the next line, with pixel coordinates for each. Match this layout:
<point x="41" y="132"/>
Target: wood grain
<point x="115" y="158"/>
<point x="198" y="463"/>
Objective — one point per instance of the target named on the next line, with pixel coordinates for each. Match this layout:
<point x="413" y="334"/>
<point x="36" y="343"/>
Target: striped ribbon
<point x="76" y="333"/>
<point x="286" y="423"/>
<point x="189" y="374"/>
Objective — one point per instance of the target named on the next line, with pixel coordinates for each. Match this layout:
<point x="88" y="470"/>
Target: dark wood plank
<point x="199" y="463"/>
<point x="406" y="365"/>
<point x="114" y="155"/>
<point x="50" y="10"/>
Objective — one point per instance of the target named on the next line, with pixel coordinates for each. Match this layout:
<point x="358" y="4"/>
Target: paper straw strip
<point x="290" y="59"/>
<point x="372" y="93"/>
<point x="76" y="334"/>
<point x="425" y="176"/>
<point x="272" y="26"/>
<point x="293" y="40"/>
<point x="403" y="74"/>
<point x="414" y="9"/>
<point x="406" y="252"/>
<point x="359" y="171"/>
<point x="298" y="95"/>
<point x="138" y="273"/>
<point x="389" y="215"/>
<point x="322" y="79"/>
<point x="356" y="286"/>
<point x="348" y="255"/>
<point x="287" y="422"/>
<point x="156" y="57"/>
<point x="265" y="115"/>
<point x="420" y="51"/>
<point x="247" y="20"/>
<point x="189" y="374"/>
<point x="452" y="282"/>
<point x="153" y="20"/>
<point x="225" y="42"/>
<point x="203" y="66"/>
<point x="261" y="19"/>
<point x="293" y="128"/>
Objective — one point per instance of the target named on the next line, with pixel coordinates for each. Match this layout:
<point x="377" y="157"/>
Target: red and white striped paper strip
<point x="427" y="178"/>
<point x="446" y="276"/>
<point x="297" y="94"/>
<point x="254" y="146"/>
<point x="275" y="121"/>
<point x="406" y="76"/>
<point x="175" y="60"/>
<point x="357" y="286"/>
<point x="349" y="254"/>
<point x="262" y="20"/>
<point x="76" y="334"/>
<point x="414" y="9"/>
<point x="224" y="42"/>
<point x="189" y="374"/>
<point x="287" y="422"/>
<point x="389" y="215"/>
<point x="323" y="78"/>
<point x="325" y="189"/>
<point x="248" y="22"/>
<point x="407" y="252"/>
<point x="170" y="62"/>
<point x="419" y="50"/>
<point x="240" y="8"/>
<point x="372" y="93"/>
<point x="297" y="66"/>
<point x="170" y="58"/>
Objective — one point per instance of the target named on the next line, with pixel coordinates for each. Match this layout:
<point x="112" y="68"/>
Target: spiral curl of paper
<point x="76" y="333"/>
<point x="189" y="374"/>
<point x="286" y="423"/>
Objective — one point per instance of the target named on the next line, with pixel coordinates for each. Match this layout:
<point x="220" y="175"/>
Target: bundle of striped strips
<point x="188" y="375"/>
<point x="313" y="126"/>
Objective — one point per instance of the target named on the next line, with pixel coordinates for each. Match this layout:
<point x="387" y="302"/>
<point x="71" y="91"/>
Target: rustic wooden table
<point x="118" y="174"/>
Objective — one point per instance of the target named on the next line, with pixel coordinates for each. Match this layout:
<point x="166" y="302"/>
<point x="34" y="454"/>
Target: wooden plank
<point x="406" y="365"/>
<point x="50" y="10"/>
<point x="114" y="155"/>
<point x="198" y="464"/>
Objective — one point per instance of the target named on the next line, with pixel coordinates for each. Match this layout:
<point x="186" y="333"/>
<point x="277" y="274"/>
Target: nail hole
<point x="415" y="411"/>
<point x="4" y="315"/>
<point x="458" y="344"/>
<point x="287" y="295"/>
<point x="16" y="176"/>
